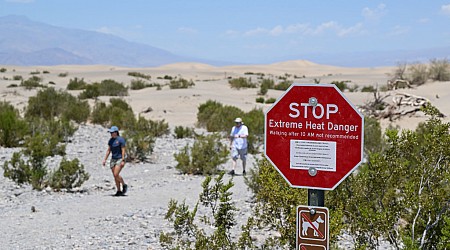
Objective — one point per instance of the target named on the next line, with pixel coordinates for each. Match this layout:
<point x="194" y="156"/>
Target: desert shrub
<point x="90" y="91"/>
<point x="12" y="85"/>
<point x="241" y="82"/>
<point x="407" y="180"/>
<point x="284" y="85"/>
<point x="139" y="145"/>
<point x="112" y="88"/>
<point x="266" y="84"/>
<point x="204" y="157"/>
<point x="215" y="117"/>
<point x="141" y="136"/>
<point x="12" y="127"/>
<point x="218" y="118"/>
<point x="17" y="78"/>
<point x="440" y="69"/>
<point x="49" y="103"/>
<point x="2" y="70"/>
<point x="342" y="85"/>
<point x="270" y="100"/>
<point x="369" y="88"/>
<point x="37" y="72"/>
<point x="32" y="82"/>
<point x="216" y="200"/>
<point x="260" y="99"/>
<point x="140" y="75"/>
<point x="271" y="211"/>
<point x="137" y="84"/>
<point x="184" y="132"/>
<point x="418" y="74"/>
<point x="70" y="174"/>
<point x="64" y="74"/>
<point x="100" y="114"/>
<point x="181" y="84"/>
<point x="16" y="169"/>
<point x="104" y="88"/>
<point x="45" y="72"/>
<point x="76" y="84"/>
<point x="254" y="120"/>
<point x="353" y="88"/>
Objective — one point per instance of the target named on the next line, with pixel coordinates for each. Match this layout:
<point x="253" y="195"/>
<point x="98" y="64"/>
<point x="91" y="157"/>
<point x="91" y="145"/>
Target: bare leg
<point x="117" y="178"/>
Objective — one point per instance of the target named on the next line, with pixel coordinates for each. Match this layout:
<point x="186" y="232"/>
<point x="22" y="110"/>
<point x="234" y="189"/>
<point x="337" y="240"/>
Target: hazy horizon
<point x="267" y="32"/>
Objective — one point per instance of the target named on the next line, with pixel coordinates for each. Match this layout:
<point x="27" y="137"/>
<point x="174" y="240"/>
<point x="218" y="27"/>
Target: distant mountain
<point x="26" y="42"/>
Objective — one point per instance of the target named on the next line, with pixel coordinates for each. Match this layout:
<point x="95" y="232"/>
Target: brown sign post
<point x="312" y="228"/>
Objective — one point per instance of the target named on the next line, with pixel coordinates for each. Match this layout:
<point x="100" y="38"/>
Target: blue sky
<point x="252" y="31"/>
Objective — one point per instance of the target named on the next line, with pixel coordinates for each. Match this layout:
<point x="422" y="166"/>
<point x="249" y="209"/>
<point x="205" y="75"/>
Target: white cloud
<point x="446" y="9"/>
<point x="423" y="20"/>
<point x="374" y="14"/>
<point x="304" y="29"/>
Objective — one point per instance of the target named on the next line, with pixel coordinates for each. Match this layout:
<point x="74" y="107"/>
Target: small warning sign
<point x="312" y="228"/>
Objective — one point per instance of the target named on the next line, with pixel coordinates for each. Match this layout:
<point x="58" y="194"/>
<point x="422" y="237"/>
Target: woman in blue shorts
<point x="116" y="146"/>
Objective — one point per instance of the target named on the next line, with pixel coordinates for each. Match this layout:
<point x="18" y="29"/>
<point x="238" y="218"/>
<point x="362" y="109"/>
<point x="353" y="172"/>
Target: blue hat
<point x="113" y="129"/>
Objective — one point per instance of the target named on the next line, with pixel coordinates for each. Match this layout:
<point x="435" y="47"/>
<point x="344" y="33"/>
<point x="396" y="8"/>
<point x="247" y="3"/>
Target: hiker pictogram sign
<point x="312" y="228"/>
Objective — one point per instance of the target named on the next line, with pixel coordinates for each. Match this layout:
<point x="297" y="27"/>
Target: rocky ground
<point x="91" y="217"/>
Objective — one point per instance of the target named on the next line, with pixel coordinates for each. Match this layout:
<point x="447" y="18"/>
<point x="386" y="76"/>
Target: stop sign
<point x="314" y="136"/>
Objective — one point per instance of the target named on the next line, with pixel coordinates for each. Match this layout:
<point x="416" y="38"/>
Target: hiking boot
<point x="125" y="188"/>
<point x="231" y="172"/>
<point x="118" y="193"/>
<point x="243" y="172"/>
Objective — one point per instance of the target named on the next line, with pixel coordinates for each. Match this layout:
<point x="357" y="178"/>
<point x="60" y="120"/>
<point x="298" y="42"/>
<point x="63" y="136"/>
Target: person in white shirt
<point x="238" y="144"/>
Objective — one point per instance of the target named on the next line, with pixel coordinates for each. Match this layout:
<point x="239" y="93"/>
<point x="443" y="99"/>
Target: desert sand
<point x="91" y="218"/>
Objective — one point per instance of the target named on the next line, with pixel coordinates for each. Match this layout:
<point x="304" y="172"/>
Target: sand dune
<point x="179" y="107"/>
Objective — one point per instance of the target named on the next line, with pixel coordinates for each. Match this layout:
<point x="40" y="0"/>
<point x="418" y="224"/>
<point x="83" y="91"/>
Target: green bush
<point x="183" y="132"/>
<point x="12" y="85"/>
<point x="140" y="75"/>
<point x="270" y="100"/>
<point x="32" y="82"/>
<point x="17" y="170"/>
<point x="2" y="70"/>
<point x="266" y="84"/>
<point x="260" y="99"/>
<point x="141" y="136"/>
<point x="139" y="145"/>
<point x="104" y="88"/>
<point x="342" y="85"/>
<point x="241" y="82"/>
<point x="204" y="157"/>
<point x="76" y="84"/>
<point x="137" y="84"/>
<point x="369" y="88"/>
<point x="216" y="200"/>
<point x="91" y="91"/>
<point x="70" y="174"/>
<point x="118" y="112"/>
<point x="17" y="78"/>
<point x="284" y="85"/>
<point x="63" y="74"/>
<point x="49" y="103"/>
<point x="181" y="84"/>
<point x="12" y="127"/>
<point x="217" y="118"/>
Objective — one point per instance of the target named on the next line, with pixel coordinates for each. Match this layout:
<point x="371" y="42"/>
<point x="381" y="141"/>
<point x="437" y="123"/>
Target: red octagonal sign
<point x="314" y="136"/>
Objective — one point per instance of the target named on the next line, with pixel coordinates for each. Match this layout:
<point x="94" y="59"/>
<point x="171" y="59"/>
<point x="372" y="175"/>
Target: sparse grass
<point x="241" y="82"/>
